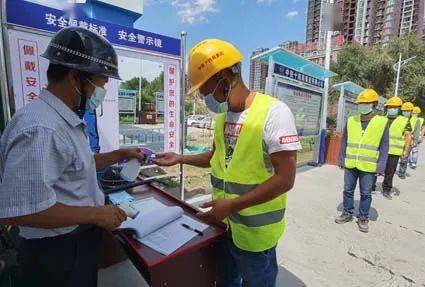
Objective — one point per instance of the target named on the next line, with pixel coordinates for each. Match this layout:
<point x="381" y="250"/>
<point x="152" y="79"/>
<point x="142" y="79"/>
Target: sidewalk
<point x="321" y="253"/>
<point x="317" y="252"/>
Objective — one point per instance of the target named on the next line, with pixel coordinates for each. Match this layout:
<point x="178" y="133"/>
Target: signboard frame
<point x="272" y="81"/>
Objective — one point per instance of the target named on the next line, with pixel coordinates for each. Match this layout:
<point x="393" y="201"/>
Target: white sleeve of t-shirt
<point x="280" y="132"/>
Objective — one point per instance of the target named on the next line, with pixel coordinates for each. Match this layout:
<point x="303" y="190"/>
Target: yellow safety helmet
<point x="367" y="96"/>
<point x="394" y="102"/>
<point x="407" y="106"/>
<point x="416" y="110"/>
<point x="208" y="58"/>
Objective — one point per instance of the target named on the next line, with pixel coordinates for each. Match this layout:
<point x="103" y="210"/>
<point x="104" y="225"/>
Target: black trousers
<point x="390" y="170"/>
<point x="65" y="260"/>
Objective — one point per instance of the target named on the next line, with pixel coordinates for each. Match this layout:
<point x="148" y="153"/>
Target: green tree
<point x="148" y="89"/>
<point x="373" y="67"/>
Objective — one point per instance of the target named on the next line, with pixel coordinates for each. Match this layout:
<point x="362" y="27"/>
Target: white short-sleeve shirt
<point x="279" y="134"/>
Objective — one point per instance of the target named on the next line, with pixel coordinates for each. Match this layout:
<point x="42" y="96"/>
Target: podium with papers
<point x="167" y="243"/>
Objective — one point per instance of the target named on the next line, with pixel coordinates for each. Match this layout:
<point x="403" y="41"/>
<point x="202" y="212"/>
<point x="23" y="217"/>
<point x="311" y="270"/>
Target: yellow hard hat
<point x="367" y="96"/>
<point x="416" y="110"/>
<point x="208" y="58"/>
<point x="407" y="106"/>
<point x="394" y="102"/>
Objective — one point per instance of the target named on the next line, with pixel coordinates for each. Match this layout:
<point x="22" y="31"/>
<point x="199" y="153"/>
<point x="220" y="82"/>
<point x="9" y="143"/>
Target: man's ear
<point x="73" y="78"/>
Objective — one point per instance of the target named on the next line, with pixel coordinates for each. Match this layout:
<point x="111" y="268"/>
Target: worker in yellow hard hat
<point x="400" y="141"/>
<point x="363" y="155"/>
<point x="406" y="111"/>
<point x="248" y="195"/>
<point x="418" y="131"/>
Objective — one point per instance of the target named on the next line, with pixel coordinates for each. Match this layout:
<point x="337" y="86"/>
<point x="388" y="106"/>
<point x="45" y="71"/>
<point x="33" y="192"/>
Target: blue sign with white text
<point x="295" y="75"/>
<point x="36" y="16"/>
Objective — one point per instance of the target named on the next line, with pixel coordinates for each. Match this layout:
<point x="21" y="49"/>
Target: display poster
<point x="305" y="105"/>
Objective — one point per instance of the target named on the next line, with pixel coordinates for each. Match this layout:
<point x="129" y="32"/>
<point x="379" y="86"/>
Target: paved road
<point x="322" y="253"/>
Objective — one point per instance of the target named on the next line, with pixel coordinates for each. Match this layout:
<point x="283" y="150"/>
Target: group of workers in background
<point x="374" y="145"/>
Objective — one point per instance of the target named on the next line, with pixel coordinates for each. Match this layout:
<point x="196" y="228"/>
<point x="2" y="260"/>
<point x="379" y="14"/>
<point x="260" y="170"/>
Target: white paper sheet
<point x="153" y="220"/>
<point x="160" y="227"/>
<point x="172" y="236"/>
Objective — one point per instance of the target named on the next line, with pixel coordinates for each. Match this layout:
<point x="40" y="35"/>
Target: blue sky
<point x="248" y="24"/>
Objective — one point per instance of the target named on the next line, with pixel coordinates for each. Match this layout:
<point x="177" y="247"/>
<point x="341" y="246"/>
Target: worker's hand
<point x="168" y="159"/>
<point x="131" y="153"/>
<point x="404" y="156"/>
<point x="221" y="209"/>
<point x="108" y="217"/>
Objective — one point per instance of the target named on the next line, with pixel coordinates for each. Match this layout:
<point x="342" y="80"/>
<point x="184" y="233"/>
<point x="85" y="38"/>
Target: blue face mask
<point x="96" y="98"/>
<point x="407" y="114"/>
<point x="365" y="109"/>
<point x="392" y="112"/>
<point x="213" y="105"/>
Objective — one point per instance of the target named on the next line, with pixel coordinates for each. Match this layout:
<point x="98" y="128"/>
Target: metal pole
<point x="4" y="83"/>
<point x="320" y="156"/>
<point x="341" y="111"/>
<point x="398" y="76"/>
<point x="183" y="36"/>
<point x="140" y="89"/>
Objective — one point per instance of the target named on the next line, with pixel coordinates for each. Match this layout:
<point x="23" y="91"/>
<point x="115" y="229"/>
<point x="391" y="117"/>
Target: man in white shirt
<point x="253" y="163"/>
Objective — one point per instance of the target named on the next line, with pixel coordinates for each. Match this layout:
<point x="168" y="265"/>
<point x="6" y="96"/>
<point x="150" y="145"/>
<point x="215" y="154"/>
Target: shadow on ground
<point x="394" y="191"/>
<point x="288" y="279"/>
<point x="373" y="213"/>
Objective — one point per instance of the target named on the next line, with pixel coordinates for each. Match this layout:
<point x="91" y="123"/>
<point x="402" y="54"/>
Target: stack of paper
<point x="161" y="227"/>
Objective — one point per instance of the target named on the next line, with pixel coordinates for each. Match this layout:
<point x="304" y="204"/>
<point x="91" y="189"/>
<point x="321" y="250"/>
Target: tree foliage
<point x="373" y="67"/>
<point x="148" y="88"/>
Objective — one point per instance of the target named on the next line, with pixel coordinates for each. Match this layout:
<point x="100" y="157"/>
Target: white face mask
<point x="365" y="109"/>
<point x="215" y="106"/>
<point x="96" y="98"/>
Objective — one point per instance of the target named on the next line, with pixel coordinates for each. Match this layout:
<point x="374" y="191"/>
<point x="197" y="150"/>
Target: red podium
<point x="192" y="265"/>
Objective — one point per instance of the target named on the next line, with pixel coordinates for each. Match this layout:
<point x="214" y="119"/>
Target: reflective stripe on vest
<point x="259" y="220"/>
<point x="363" y="146"/>
<point x="362" y="158"/>
<point x="232" y="187"/>
<point x="256" y="228"/>
<point x="397" y="140"/>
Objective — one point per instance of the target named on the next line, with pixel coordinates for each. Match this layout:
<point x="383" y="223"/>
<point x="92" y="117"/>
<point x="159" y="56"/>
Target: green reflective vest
<point x="363" y="146"/>
<point x="413" y="122"/>
<point x="259" y="227"/>
<point x="397" y="140"/>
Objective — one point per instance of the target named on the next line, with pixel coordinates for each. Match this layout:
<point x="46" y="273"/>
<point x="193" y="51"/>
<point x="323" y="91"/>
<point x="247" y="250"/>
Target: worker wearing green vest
<point x="400" y="141"/>
<point x="363" y="156"/>
<point x="406" y="111"/>
<point x="417" y="137"/>
<point x="253" y="165"/>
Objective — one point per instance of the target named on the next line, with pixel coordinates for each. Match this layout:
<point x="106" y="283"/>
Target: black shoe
<point x="387" y="194"/>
